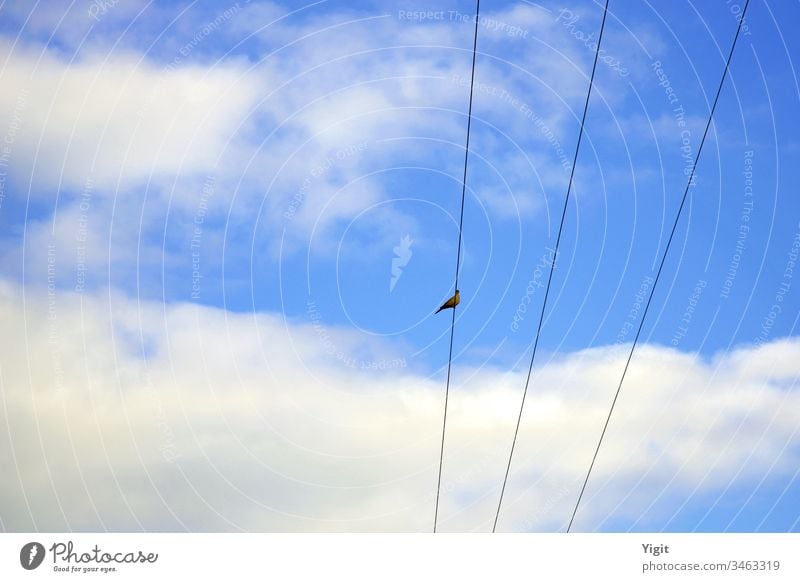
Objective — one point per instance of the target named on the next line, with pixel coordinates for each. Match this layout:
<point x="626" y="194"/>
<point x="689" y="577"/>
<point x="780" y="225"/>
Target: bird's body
<point x="451" y="303"/>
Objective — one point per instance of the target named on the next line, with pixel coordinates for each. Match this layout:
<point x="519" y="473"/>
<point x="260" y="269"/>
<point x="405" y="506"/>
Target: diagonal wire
<point x="458" y="261"/>
<point x="663" y="260"/>
<point x="552" y="266"/>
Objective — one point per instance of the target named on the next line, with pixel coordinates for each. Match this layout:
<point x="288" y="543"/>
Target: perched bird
<point x="451" y="303"/>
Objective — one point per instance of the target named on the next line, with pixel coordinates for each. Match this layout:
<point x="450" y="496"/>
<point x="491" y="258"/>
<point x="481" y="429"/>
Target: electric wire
<point x="552" y="266"/>
<point x="458" y="261"/>
<point x="663" y="260"/>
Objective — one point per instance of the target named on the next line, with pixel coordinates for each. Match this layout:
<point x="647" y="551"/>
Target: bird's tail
<point x="438" y="310"/>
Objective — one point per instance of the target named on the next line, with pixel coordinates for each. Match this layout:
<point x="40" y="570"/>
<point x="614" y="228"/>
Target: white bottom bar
<point x="484" y="557"/>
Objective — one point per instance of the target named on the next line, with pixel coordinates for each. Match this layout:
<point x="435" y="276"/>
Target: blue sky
<point x="263" y="161"/>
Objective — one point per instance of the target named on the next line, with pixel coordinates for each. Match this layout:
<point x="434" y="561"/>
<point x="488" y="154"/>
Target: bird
<point x="451" y="303"/>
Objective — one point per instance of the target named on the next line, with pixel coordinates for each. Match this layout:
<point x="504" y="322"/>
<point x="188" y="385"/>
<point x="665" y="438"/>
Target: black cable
<point x="661" y="266"/>
<point x="458" y="260"/>
<point x="552" y="265"/>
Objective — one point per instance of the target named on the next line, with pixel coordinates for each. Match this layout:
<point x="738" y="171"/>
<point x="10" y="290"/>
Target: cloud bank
<point x="126" y="415"/>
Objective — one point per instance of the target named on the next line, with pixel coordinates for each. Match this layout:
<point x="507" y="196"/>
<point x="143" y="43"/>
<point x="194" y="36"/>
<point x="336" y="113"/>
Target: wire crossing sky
<point x="458" y="257"/>
<point x="224" y="229"/>
<point x="552" y="263"/>
<point x="689" y="183"/>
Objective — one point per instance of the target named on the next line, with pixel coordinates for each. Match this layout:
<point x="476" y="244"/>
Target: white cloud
<point x="326" y="82"/>
<point x="117" y="118"/>
<point x="125" y="415"/>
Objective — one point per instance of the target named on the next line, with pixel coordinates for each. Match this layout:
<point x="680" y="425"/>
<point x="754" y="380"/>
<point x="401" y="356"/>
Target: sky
<point x="225" y="229"/>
